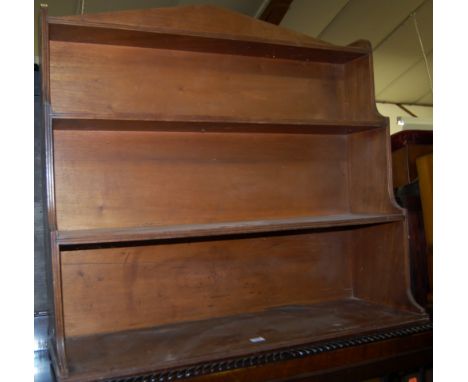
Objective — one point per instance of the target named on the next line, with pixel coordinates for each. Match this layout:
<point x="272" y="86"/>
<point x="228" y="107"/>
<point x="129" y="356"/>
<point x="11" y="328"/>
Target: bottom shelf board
<point x="188" y="343"/>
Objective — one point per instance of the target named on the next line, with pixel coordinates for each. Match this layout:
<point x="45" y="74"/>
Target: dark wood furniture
<point x="407" y="147"/>
<point x="219" y="198"/>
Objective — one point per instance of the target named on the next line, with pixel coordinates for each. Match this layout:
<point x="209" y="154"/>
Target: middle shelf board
<point x="126" y="122"/>
<point x="116" y="235"/>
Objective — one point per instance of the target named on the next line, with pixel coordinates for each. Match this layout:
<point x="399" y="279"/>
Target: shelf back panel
<point x="111" y="179"/>
<point x="172" y="85"/>
<point x="123" y="288"/>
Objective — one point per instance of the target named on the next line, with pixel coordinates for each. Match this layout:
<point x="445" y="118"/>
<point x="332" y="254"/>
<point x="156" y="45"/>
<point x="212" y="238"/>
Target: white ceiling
<point x="400" y="69"/>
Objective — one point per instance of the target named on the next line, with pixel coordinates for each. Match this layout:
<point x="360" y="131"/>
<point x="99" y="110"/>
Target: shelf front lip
<point x="119" y="235"/>
<point x="164" y="38"/>
<point x="193" y="362"/>
<point x="131" y="122"/>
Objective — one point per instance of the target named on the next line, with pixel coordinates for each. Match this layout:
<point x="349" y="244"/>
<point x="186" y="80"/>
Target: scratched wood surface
<point x="188" y="343"/>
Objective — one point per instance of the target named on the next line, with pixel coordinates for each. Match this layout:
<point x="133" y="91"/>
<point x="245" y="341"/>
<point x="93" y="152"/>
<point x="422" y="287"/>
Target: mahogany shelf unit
<point x="219" y="196"/>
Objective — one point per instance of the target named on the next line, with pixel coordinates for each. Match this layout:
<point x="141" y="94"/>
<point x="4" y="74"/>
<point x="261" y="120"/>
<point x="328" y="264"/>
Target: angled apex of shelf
<point x="196" y="20"/>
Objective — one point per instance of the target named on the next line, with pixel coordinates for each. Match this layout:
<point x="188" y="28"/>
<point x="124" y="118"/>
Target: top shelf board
<point x="96" y="236"/>
<point x="99" y="33"/>
<point x="190" y="124"/>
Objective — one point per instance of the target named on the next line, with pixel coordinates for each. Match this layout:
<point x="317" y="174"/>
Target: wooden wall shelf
<point x="218" y="189"/>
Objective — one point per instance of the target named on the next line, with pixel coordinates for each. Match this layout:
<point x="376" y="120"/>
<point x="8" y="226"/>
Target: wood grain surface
<point x="110" y="179"/>
<point x="114" y="289"/>
<point x="145" y="81"/>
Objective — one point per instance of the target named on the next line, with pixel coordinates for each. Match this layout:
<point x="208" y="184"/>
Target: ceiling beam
<point x="406" y="110"/>
<point x="405" y="103"/>
<point x="275" y="11"/>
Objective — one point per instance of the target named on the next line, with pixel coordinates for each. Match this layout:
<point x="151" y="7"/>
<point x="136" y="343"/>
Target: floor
<point x="42" y="367"/>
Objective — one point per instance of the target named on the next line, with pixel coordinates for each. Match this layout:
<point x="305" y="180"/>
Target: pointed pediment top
<point x="205" y="20"/>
